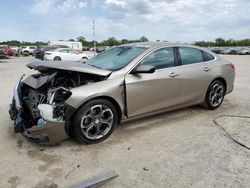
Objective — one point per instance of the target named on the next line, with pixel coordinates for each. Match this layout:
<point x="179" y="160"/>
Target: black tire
<point x="83" y="117"/>
<point x="84" y="58"/>
<point x="57" y="58"/>
<point x="214" y="99"/>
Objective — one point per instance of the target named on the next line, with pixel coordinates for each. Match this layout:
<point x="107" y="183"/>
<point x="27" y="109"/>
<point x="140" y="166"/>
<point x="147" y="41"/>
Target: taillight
<point x="232" y="66"/>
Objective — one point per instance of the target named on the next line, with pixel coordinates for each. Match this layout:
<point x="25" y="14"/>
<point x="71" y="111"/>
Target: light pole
<point x="94" y="37"/>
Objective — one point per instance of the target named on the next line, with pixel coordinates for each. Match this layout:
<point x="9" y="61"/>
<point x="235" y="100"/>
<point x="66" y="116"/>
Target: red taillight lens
<point x="232" y="66"/>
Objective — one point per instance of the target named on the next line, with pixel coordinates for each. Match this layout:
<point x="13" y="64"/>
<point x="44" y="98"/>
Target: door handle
<point x="207" y="69"/>
<point x="173" y="75"/>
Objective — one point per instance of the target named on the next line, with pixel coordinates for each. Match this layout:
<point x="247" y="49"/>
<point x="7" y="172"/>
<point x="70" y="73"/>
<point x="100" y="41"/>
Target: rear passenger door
<point x="195" y="74"/>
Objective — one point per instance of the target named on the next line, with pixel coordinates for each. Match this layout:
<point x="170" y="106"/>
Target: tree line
<point x="223" y="42"/>
<point x="114" y="42"/>
<point x="109" y="42"/>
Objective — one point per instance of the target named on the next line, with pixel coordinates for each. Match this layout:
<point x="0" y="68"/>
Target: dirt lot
<point x="178" y="149"/>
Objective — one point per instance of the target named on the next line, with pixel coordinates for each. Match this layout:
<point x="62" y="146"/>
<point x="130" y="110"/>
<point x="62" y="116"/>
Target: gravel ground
<point x="177" y="149"/>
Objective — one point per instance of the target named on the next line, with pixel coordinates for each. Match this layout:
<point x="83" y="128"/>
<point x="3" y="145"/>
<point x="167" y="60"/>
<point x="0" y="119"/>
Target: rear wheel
<point x="57" y="58"/>
<point x="215" y="95"/>
<point x="95" y="121"/>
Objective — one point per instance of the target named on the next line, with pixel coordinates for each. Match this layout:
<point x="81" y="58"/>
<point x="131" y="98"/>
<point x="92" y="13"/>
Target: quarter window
<point x="162" y="58"/>
<point x="207" y="56"/>
<point x="190" y="55"/>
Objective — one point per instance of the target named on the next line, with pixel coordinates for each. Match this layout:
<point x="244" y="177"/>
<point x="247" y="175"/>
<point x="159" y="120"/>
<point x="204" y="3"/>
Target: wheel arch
<point x="69" y="125"/>
<point x="113" y="101"/>
<point x="223" y="80"/>
<point x="85" y="57"/>
<point x="108" y="98"/>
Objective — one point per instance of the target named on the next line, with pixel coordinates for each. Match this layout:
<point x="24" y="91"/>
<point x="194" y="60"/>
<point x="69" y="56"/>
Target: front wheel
<point x="215" y="95"/>
<point x="95" y="121"/>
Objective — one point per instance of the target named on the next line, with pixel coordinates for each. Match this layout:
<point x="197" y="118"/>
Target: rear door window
<point x="190" y="55"/>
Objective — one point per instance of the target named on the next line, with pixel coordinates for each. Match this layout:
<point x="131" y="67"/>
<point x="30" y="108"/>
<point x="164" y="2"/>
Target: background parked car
<point x="28" y="50"/>
<point x="7" y="50"/>
<point x="85" y="48"/>
<point x="227" y="50"/>
<point x="99" y="49"/>
<point x="64" y="54"/>
<point x="40" y="51"/>
<point x="15" y="49"/>
<point x="244" y="51"/>
<point x="216" y="50"/>
<point x="2" y="53"/>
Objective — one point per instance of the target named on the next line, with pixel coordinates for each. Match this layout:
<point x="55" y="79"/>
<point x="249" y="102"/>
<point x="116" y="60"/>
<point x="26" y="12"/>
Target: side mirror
<point x="143" y="69"/>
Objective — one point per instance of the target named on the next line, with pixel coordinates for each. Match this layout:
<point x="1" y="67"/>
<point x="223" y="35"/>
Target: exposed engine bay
<point x="40" y="98"/>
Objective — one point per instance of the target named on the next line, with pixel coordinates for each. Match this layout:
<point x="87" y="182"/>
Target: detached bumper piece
<point x="16" y="117"/>
<point x="19" y="127"/>
<point x="35" y="137"/>
<point x="15" y="110"/>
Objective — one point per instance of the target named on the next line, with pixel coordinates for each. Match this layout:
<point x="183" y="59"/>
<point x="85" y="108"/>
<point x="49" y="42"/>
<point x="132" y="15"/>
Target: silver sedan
<point x="123" y="83"/>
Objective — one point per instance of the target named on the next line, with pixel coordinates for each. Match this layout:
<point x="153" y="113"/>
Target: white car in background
<point x="65" y="54"/>
<point x="15" y="49"/>
<point x="28" y="50"/>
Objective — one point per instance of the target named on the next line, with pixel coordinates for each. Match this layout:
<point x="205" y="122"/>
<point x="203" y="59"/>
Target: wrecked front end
<point x="40" y="98"/>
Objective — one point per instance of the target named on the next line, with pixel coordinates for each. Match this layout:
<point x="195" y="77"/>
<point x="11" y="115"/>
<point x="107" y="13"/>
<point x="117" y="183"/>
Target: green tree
<point x="143" y="39"/>
<point x="124" y="41"/>
<point x="110" y="42"/>
<point x="220" y="42"/>
<point x="81" y="39"/>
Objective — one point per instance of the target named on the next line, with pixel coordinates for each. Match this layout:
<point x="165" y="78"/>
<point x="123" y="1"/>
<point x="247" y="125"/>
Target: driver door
<point x="152" y="92"/>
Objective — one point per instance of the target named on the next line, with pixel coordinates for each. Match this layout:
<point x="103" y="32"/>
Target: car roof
<point x="153" y="45"/>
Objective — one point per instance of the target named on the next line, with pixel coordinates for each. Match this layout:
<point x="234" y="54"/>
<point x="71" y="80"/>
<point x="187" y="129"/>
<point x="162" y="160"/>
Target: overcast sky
<point x="172" y="20"/>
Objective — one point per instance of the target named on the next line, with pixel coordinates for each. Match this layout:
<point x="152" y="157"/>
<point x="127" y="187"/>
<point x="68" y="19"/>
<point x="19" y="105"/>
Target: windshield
<point x="116" y="58"/>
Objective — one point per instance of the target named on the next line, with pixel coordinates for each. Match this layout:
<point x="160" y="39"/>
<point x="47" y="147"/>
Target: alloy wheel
<point x="216" y="95"/>
<point x="97" y="122"/>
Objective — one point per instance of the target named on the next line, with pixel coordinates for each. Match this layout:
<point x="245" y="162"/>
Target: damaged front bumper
<point x="22" y="124"/>
<point x="16" y="114"/>
<point x="16" y="109"/>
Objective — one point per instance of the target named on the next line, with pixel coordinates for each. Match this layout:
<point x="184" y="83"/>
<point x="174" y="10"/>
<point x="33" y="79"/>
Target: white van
<point x="74" y="45"/>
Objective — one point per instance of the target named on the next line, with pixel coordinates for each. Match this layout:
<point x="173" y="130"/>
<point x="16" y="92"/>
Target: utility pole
<point x="94" y="37"/>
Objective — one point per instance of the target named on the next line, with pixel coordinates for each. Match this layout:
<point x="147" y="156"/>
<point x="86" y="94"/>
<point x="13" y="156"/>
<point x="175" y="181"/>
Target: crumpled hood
<point x="67" y="65"/>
